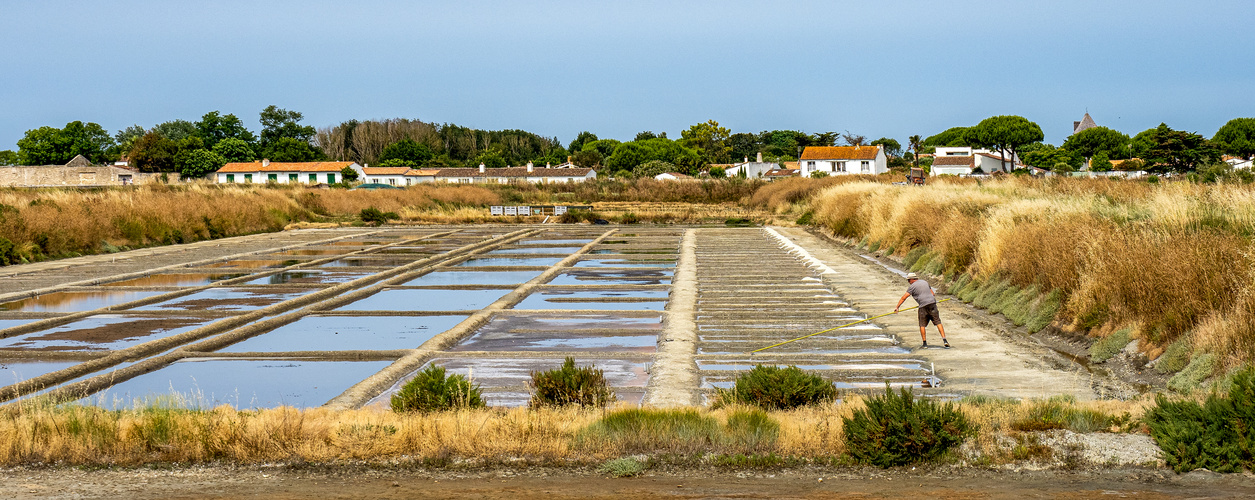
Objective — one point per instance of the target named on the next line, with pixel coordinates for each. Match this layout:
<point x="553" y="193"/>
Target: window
<point x="839" y="168"/>
<point x="392" y="181"/>
<point x="248" y="178"/>
<point x="810" y="166"/>
<point x="272" y="177"/>
<point x="409" y="182"/>
<point x="867" y="166"/>
<point x="313" y="178"/>
<point x="230" y="177"/>
<point x="293" y="178"/>
<point x="331" y="178"/>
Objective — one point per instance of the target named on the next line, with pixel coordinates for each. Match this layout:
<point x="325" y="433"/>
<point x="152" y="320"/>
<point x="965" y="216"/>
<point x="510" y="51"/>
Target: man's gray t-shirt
<point x="922" y="293"/>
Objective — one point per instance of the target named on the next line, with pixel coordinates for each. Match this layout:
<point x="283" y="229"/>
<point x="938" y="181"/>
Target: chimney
<point x="745" y="159"/>
<point x="529" y="167"/>
<point x="481" y="168"/>
<point x="547" y="165"/>
<point x="265" y="162"/>
<point x="760" y="157"/>
<point x="568" y="159"/>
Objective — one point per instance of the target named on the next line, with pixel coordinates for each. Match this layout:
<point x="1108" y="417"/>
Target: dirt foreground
<point x="354" y="482"/>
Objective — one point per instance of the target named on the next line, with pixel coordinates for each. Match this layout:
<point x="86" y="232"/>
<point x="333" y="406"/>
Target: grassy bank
<point x="40" y="224"/>
<point x="1171" y="265"/>
<point x="737" y="436"/>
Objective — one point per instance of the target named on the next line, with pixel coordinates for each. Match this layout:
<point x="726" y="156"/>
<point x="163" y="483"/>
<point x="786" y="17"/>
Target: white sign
<point x="559" y="210"/>
<point x="525" y="210"/>
<point x="511" y="210"/>
<point x="496" y="209"/>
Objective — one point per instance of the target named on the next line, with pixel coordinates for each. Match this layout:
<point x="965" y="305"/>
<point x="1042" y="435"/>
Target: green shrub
<point x="751" y="429"/>
<point x="623" y="467"/>
<point x="1201" y="366"/>
<point x="898" y="429"/>
<point x="1218" y="435"/>
<point x="629" y="218"/>
<point x="652" y="430"/>
<point x="430" y="390"/>
<point x="1044" y="311"/>
<point x="1175" y="357"/>
<point x="1109" y="346"/>
<point x="373" y="216"/>
<point x="912" y="256"/>
<point x="569" y="385"/>
<point x="775" y="388"/>
<point x="806" y="219"/>
<point x="738" y="222"/>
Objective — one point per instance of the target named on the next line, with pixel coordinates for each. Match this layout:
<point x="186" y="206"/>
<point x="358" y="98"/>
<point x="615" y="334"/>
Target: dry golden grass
<point x="1167" y="259"/>
<point x="86" y="435"/>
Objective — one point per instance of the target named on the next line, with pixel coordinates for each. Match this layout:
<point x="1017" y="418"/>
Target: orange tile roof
<point x="385" y="170"/>
<point x="305" y="166"/>
<point x="840" y="153"/>
<point x="420" y="172"/>
<point x="514" y="172"/>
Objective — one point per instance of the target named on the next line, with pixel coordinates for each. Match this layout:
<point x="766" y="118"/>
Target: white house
<point x="952" y="165"/>
<point x="1237" y="162"/>
<point x="261" y="172"/>
<point x="392" y="176"/>
<point x="673" y="176"/>
<point x="752" y="169"/>
<point x="965" y="160"/>
<point x="844" y="160"/>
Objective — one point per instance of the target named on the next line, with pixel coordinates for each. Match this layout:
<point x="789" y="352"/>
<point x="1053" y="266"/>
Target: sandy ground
<point x="356" y="482"/>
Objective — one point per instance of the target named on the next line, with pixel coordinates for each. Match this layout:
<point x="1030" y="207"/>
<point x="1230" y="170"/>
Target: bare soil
<point x="280" y="482"/>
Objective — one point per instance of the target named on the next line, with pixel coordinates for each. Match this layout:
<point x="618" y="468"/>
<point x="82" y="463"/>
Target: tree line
<point x="201" y="147"/>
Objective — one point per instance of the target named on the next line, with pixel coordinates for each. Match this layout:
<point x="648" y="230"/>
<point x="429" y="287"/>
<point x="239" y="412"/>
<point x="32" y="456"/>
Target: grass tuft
<point x="1109" y="346"/>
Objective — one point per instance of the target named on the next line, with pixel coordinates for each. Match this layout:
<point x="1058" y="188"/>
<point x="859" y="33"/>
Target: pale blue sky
<point x="877" y="68"/>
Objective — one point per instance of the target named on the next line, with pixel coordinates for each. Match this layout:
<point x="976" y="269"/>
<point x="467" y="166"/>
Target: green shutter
<point x="313" y="178"/>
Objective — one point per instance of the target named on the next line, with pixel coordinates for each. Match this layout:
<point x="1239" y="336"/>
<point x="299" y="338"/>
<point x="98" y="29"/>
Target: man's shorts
<point x="929" y="313"/>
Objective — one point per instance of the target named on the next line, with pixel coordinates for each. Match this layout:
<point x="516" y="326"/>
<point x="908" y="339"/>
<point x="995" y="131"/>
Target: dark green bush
<point x="569" y="385"/>
<point x="806" y="219"/>
<point x="430" y="390"/>
<point x="374" y="216"/>
<point x="1218" y="435"/>
<point x="898" y="429"/>
<point x="774" y="388"/>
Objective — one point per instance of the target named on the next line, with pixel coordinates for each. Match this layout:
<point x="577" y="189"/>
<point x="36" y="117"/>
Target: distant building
<point x="963" y="160"/>
<point x="1085" y="124"/>
<point x="79" y="172"/>
<point x="392" y="176"/>
<point x="673" y="176"/>
<point x="782" y="173"/>
<point x="308" y="172"/>
<point x="752" y="169"/>
<point x="514" y="174"/>
<point x="1237" y="162"/>
<point x="844" y="160"/>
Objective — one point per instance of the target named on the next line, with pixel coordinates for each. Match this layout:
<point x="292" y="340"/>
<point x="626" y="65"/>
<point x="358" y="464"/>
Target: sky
<point x="888" y="68"/>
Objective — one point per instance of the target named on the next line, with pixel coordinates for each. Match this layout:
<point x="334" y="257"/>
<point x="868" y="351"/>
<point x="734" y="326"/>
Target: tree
<point x="1062" y="168"/>
<point x="708" y="139"/>
<point x="1237" y="137"/>
<point x="587" y="159"/>
<point x="491" y="159"/>
<point x="892" y="147"/>
<point x="604" y="146"/>
<point x="407" y="151"/>
<point x="915" y="144"/>
<point x="1092" y="141"/>
<point x="580" y="140"/>
<point x="153" y="153"/>
<point x="278" y="123"/>
<point x="214" y="127"/>
<point x="54" y="146"/>
<point x="1100" y="162"/>
<point x="291" y="149"/>
<point x="348" y="174"/>
<point x="200" y="162"/>
<point x="1047" y="155"/>
<point x="1007" y="133"/>
<point x="8" y="158"/>
<point x="234" y="150"/>
<point x="126" y="137"/>
<point x="175" y="130"/>
<point x="646" y="135"/>
<point x="653" y="168"/>
<point x="951" y="137"/>
<point x="853" y="139"/>
<point x="1166" y="150"/>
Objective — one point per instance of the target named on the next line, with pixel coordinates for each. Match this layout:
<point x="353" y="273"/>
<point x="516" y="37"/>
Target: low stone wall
<point x="77" y="176"/>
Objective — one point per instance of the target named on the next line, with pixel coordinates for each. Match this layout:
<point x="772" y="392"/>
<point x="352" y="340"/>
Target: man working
<point x="927" y="300"/>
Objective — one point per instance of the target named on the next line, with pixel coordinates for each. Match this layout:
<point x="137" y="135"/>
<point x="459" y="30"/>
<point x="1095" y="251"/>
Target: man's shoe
<point x="946" y="343"/>
<point x="925" y="346"/>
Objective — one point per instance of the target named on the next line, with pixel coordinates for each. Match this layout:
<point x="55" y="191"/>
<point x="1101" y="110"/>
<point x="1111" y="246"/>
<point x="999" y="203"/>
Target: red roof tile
<point x="307" y="166"/>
